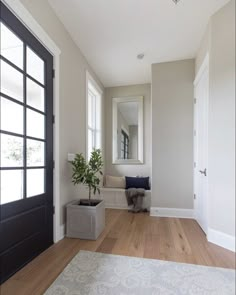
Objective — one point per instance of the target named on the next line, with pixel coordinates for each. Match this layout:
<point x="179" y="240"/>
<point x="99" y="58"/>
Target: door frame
<point x="18" y="9"/>
<point x="204" y="68"/>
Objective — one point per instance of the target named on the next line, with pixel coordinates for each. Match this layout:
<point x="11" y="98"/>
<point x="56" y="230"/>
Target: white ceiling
<point x="110" y="33"/>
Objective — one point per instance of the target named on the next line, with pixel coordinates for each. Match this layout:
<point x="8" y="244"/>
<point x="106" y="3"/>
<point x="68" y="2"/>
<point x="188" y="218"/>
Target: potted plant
<point x="86" y="217"/>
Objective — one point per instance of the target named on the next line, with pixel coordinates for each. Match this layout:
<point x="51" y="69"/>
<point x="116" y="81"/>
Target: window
<point x="94" y="115"/>
<point x="124" y="145"/>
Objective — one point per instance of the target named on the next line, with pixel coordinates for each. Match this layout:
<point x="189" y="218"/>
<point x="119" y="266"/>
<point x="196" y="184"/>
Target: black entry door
<point x="26" y="142"/>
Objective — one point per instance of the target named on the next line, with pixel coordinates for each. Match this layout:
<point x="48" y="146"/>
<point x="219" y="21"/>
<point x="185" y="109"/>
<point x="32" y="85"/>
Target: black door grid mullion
<point x="24" y="126"/>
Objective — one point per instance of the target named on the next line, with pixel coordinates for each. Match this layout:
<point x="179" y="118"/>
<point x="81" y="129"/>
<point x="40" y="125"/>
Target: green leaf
<point x="86" y="173"/>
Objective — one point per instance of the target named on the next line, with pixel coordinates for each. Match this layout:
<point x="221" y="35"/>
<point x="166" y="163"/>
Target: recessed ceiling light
<point x="140" y="56"/>
<point x="175" y="1"/>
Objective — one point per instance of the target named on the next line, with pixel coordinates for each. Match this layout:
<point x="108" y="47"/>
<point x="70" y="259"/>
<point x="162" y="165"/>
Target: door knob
<point x="203" y="172"/>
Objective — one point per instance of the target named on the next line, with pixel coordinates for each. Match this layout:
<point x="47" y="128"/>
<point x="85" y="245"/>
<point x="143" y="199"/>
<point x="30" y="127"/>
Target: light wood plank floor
<point x="140" y="235"/>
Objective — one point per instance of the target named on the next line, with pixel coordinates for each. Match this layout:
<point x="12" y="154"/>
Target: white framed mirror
<point x="127" y="126"/>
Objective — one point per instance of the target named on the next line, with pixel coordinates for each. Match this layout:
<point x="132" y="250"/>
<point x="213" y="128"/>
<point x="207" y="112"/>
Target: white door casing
<point x="201" y="92"/>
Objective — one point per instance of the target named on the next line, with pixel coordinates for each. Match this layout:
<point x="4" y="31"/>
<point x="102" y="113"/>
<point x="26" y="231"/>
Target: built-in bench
<point x="115" y="198"/>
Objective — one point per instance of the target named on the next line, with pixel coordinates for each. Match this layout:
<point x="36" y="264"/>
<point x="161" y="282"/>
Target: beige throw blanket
<point x="135" y="197"/>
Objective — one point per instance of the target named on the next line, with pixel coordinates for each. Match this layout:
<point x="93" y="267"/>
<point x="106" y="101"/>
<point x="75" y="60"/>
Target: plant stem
<point x="89" y="196"/>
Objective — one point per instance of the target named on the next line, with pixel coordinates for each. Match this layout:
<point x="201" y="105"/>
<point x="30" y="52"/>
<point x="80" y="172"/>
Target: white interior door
<point x="201" y="147"/>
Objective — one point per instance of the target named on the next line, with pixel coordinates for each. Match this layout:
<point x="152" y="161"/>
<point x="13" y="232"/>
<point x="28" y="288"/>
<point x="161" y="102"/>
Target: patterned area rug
<point x="96" y="273"/>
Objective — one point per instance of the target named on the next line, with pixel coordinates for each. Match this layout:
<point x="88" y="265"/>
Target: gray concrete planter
<point x="85" y="222"/>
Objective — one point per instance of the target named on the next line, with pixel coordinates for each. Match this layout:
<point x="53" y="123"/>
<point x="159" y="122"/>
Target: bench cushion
<point x="114" y="182"/>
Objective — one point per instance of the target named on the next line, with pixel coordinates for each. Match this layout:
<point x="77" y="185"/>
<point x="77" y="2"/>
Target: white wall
<point x="126" y="91"/>
<point x="172" y="134"/>
<point x="221" y="174"/>
<point x="72" y="98"/>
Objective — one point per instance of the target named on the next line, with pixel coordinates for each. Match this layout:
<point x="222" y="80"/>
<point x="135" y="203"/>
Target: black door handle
<point x="203" y="172"/>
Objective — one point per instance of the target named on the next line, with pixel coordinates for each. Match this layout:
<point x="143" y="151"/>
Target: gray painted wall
<point x="204" y="48"/>
<point x="126" y="91"/>
<point x="172" y="134"/>
<point x="72" y="99"/>
<point x="221" y="141"/>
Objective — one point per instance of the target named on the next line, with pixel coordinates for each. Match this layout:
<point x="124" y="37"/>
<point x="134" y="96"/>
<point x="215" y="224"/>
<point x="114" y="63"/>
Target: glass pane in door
<point x="11" y="185"/>
<point x="11" y="116"/>
<point x="35" y="153"/>
<point x="11" y="151"/>
<point x="11" y="46"/>
<point x="11" y="81"/>
<point x="35" y="124"/>
<point x="35" y="182"/>
<point x="35" y="95"/>
<point x="34" y="65"/>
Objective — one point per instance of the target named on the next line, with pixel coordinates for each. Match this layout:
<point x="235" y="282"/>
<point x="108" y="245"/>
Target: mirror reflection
<point x="127" y="130"/>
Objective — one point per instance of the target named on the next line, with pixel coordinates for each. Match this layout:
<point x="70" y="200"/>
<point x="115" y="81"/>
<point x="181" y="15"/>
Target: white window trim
<point x="18" y="9"/>
<point x="89" y="78"/>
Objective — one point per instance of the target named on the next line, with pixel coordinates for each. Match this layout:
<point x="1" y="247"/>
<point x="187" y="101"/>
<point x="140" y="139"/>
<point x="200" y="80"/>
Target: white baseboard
<point x="172" y="212"/>
<point x="116" y="207"/>
<point x="62" y="231"/>
<point x="221" y="239"/>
